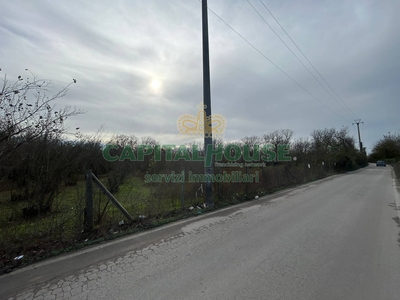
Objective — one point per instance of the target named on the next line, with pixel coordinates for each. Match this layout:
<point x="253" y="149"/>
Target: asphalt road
<point x="337" y="238"/>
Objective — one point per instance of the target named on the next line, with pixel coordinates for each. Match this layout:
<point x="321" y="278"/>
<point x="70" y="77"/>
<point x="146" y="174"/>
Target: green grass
<point x="62" y="230"/>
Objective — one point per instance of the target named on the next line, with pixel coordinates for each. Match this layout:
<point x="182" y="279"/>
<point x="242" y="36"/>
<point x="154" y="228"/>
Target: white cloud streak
<point x="116" y="49"/>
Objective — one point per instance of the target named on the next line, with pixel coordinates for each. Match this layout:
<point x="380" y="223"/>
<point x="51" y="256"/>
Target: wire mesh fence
<point x="171" y="193"/>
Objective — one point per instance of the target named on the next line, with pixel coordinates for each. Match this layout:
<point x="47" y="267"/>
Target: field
<point x="150" y="204"/>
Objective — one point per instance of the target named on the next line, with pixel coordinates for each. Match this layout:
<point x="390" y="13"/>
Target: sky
<point x="138" y="64"/>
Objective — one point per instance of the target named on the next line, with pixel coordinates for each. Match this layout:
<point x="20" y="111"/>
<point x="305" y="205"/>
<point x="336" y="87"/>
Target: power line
<point x="307" y="59"/>
<point x="291" y="78"/>
<point x="266" y="22"/>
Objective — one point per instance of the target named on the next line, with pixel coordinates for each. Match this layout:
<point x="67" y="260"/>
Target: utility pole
<point x="359" y="137"/>
<point x="208" y="170"/>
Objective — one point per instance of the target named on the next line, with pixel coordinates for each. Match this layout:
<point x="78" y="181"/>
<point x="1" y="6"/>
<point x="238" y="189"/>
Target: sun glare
<point x="156" y="85"/>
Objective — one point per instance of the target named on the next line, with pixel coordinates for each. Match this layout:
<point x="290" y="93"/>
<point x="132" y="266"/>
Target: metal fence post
<point x="88" y="218"/>
<point x="109" y="196"/>
<point x="183" y="189"/>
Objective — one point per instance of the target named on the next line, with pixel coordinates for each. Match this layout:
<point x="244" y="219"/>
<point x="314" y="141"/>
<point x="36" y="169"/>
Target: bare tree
<point x="343" y="139"/>
<point x="123" y="140"/>
<point x="301" y="148"/>
<point x="217" y="142"/>
<point x="149" y="141"/>
<point x="251" y="140"/>
<point x="278" y="137"/>
<point x="28" y="112"/>
<point x="386" y="148"/>
<point x="337" y="147"/>
<point x="323" y="140"/>
<point x="249" y="145"/>
<point x="25" y="106"/>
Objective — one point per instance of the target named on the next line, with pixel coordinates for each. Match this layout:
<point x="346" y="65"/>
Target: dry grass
<point x="396" y="167"/>
<point x="62" y="228"/>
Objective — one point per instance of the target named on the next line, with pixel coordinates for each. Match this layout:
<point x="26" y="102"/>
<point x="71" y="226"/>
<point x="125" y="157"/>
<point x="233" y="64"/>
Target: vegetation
<point x="387" y="149"/>
<point x="42" y="184"/>
<point x="396" y="167"/>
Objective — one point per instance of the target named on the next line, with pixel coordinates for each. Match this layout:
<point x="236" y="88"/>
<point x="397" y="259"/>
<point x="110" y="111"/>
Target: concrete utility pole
<point x="359" y="136"/>
<point x="208" y="171"/>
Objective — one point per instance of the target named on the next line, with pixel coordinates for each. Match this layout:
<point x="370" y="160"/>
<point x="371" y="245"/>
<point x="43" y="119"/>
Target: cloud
<point x="115" y="50"/>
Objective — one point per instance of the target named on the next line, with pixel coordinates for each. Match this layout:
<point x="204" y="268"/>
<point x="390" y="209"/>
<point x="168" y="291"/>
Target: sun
<point x="156" y="85"/>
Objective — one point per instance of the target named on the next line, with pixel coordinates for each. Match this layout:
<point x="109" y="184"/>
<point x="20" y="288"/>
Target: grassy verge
<point x="61" y="230"/>
<point x="396" y="167"/>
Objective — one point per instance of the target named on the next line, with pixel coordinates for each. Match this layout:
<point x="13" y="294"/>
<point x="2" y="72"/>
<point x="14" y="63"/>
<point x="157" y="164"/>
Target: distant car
<point x="380" y="163"/>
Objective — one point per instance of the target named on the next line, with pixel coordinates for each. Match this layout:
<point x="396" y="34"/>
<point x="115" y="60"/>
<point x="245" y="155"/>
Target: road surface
<point x="336" y="238"/>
